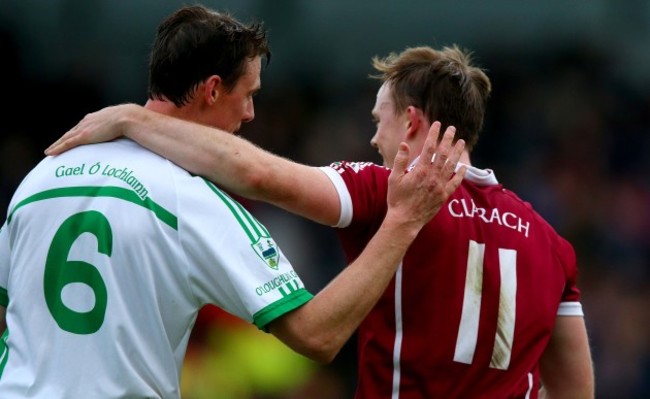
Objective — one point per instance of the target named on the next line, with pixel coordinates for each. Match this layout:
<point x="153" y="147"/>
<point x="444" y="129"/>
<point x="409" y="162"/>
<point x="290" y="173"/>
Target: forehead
<point x="384" y="101"/>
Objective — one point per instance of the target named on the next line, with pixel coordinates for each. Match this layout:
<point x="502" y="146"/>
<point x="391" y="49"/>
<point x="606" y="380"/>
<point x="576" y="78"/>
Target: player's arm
<point x="230" y="161"/>
<point x="566" y="367"/>
<point x="319" y="328"/>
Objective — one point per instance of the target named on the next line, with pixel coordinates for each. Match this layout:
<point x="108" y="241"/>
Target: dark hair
<point x="442" y="83"/>
<point x="194" y="43"/>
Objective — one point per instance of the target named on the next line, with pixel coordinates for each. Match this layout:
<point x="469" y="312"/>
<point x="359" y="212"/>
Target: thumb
<point x="401" y="159"/>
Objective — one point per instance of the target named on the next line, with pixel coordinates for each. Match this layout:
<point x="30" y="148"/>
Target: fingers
<point x="430" y="143"/>
<point x="442" y="151"/>
<point x="433" y="180"/>
<point x="78" y="135"/>
<point x="64" y="143"/>
<point x="455" y="181"/>
<point x="445" y="155"/>
<point x="450" y="167"/>
<point x="401" y="159"/>
<point x="454" y="157"/>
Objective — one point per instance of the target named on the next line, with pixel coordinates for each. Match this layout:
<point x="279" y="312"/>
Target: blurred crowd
<point x="563" y="131"/>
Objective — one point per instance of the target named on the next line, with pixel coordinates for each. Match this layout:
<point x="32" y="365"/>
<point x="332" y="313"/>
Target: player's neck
<point x="168" y="108"/>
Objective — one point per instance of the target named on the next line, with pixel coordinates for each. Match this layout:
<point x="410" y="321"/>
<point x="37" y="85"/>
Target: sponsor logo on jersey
<point x="121" y="173"/>
<point x="287" y="283"/>
<point x="267" y="249"/>
<point x="356" y="167"/>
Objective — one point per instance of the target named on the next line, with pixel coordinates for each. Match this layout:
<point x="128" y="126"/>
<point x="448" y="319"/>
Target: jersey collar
<point x="480" y="177"/>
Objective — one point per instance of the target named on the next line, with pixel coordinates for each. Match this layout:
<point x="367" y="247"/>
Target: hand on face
<point x="97" y="127"/>
<point x="417" y="194"/>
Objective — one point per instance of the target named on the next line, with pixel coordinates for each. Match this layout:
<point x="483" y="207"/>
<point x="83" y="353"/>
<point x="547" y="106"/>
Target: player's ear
<point x="212" y="88"/>
<point x="415" y="120"/>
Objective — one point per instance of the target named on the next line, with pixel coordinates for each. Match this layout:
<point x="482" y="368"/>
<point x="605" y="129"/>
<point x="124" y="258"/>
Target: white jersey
<point x="107" y="254"/>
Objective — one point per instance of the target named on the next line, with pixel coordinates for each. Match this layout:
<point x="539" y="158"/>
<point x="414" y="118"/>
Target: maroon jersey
<point x="475" y="299"/>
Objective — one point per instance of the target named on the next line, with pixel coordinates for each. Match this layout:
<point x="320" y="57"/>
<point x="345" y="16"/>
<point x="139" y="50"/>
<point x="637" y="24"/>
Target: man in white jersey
<point x="109" y="251"/>
<point x="501" y="319"/>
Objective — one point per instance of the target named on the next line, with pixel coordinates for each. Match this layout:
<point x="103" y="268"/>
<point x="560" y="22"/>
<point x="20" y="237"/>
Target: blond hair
<point x="442" y="83"/>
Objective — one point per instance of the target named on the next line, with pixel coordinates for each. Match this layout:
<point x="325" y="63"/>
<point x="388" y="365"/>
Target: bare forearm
<point x="566" y="367"/>
<point x="234" y="163"/>
<point x="219" y="156"/>
<point x="228" y="160"/>
<point x="328" y="321"/>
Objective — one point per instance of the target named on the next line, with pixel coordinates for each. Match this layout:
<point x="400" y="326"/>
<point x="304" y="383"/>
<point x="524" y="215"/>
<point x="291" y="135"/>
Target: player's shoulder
<point x="119" y="163"/>
<point x="352" y="168"/>
<point x="357" y="166"/>
<point x="560" y="243"/>
<point x="362" y="177"/>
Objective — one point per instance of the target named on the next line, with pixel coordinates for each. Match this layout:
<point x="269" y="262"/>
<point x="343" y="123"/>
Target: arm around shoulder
<point x="229" y="161"/>
<point x="300" y="189"/>
<point x="236" y="164"/>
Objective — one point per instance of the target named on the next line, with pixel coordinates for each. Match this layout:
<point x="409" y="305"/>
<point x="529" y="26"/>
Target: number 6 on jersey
<point x="59" y="272"/>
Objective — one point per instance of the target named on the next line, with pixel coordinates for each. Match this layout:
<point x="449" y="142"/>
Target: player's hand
<point x="416" y="195"/>
<point x="97" y="127"/>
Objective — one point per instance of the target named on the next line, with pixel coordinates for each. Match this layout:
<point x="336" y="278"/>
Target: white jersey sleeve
<point x="345" y="200"/>
<point x="233" y="261"/>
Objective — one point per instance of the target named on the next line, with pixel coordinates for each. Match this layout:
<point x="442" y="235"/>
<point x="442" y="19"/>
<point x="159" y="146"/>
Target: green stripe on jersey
<point x="4" y="351"/>
<point x="261" y="241"/>
<point x="278" y="308"/>
<point x="4" y="297"/>
<point x="251" y="226"/>
<point x="101" y="191"/>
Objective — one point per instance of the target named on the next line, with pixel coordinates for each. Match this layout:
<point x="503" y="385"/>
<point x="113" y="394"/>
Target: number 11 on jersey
<point x="469" y="321"/>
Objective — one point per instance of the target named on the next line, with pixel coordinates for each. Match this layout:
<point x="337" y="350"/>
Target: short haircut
<point x="195" y="43"/>
<point x="442" y="83"/>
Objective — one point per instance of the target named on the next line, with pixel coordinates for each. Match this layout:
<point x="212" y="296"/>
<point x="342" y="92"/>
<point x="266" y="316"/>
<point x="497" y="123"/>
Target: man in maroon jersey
<point x="484" y="303"/>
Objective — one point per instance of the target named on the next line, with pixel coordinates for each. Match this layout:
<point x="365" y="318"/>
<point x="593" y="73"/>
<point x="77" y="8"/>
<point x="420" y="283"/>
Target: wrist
<point x="129" y="119"/>
<point x="403" y="228"/>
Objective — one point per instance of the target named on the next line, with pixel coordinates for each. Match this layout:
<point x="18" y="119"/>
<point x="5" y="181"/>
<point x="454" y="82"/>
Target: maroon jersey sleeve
<point x="567" y="258"/>
<point x="367" y="185"/>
